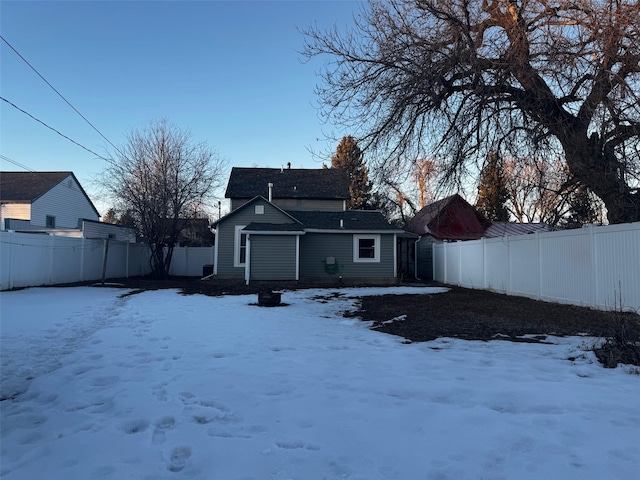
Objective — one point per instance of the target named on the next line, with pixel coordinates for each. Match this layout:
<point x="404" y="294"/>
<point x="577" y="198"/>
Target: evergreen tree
<point x="111" y="216"/>
<point x="492" y="189"/>
<point x="349" y="157"/>
<point x="583" y="209"/>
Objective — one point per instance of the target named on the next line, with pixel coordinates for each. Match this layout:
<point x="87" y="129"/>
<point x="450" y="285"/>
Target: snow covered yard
<point x="162" y="386"/>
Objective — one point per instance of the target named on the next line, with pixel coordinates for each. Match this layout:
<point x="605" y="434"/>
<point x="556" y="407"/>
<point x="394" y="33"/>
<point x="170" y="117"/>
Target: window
<point x="259" y="210"/>
<point x="366" y="248"/>
<point x="240" y="254"/>
<point x="50" y="221"/>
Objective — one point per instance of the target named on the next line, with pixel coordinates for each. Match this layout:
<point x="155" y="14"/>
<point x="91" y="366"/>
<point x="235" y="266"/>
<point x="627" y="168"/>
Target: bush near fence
<point x="28" y="260"/>
<point x="596" y="266"/>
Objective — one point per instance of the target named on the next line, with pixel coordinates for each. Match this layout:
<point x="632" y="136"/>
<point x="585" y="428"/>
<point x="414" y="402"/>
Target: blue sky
<point x="230" y="71"/>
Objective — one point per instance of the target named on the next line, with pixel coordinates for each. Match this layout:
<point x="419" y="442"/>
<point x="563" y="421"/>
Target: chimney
<point x="341" y="223"/>
<point x="288" y="165"/>
<point x="270" y="187"/>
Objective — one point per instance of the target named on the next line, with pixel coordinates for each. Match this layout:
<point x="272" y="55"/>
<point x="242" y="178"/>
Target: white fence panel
<point x="496" y="264"/>
<point x="594" y="266"/>
<point x="66" y="260"/>
<point x="439" y="271"/>
<point x="189" y="261"/>
<point x="28" y="260"/>
<point x="471" y="263"/>
<point x="617" y="259"/>
<point x="523" y="257"/>
<point x="568" y="275"/>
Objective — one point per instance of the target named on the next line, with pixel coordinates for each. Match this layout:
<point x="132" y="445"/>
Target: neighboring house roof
<point x="451" y="218"/>
<point x="366" y="220"/>
<point x="504" y="229"/>
<point x="27" y="187"/>
<point x="324" y="183"/>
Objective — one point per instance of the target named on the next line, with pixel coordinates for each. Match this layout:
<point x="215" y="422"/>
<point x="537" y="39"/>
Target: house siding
<point x="19" y="211"/>
<point x="301" y="204"/>
<point x="316" y="247"/>
<point x="225" y="235"/>
<point x="66" y="202"/>
<point x="273" y="257"/>
<point x="108" y="230"/>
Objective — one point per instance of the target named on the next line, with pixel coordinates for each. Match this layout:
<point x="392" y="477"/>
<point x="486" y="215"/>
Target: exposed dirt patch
<point x="459" y="313"/>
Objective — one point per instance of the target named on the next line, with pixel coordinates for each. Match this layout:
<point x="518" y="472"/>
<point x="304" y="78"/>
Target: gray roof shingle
<point x="366" y="220"/>
<point x="28" y="186"/>
<point x="323" y="183"/>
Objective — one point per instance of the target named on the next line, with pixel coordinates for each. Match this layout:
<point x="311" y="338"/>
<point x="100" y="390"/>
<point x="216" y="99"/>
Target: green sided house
<point x="291" y="225"/>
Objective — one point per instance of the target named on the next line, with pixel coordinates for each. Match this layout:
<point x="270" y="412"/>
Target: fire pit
<point x="269" y="299"/>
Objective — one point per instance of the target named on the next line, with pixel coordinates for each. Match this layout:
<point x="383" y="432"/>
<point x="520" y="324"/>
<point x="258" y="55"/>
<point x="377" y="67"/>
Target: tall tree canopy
<point x="349" y="157"/>
<point x="161" y="179"/>
<point x="529" y="78"/>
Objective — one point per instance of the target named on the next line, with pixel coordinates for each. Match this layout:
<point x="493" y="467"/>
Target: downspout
<point x="247" y="260"/>
<point x="415" y="259"/>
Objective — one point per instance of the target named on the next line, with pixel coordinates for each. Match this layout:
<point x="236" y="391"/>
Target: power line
<point x="51" y="128"/>
<point x="59" y="94"/>
<point x="17" y="164"/>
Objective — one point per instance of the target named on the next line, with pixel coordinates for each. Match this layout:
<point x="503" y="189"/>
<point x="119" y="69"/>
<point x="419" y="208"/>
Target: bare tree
<point x="523" y="77"/>
<point x="162" y="180"/>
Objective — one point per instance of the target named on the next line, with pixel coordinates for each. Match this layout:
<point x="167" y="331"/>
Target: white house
<point x="52" y="202"/>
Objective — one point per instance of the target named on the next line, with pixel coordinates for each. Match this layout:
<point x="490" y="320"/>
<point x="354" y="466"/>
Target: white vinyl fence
<point x="28" y="260"/>
<point x="597" y="267"/>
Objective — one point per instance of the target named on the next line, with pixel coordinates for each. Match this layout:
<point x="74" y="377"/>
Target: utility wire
<point x="17" y="164"/>
<point x="59" y="94"/>
<point x="51" y="128"/>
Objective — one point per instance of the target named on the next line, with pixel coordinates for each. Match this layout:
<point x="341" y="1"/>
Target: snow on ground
<point x="164" y="386"/>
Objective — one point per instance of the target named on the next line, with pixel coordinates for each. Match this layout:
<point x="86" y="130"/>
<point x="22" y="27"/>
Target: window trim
<point x="376" y="248"/>
<point x="237" y="246"/>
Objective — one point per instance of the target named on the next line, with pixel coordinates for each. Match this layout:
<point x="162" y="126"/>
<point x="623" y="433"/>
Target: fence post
<point x="459" y="243"/>
<point x="594" y="266"/>
<point x="52" y="249"/>
<point x="445" y="253"/>
<point x="539" y="260"/>
<point x="508" y="266"/>
<point x="82" y="247"/>
<point x="10" y="261"/>
<point x="484" y="264"/>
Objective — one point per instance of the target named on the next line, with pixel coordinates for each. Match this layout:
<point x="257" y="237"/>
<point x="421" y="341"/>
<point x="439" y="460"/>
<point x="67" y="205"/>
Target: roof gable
<point x="323" y="183"/>
<point x="450" y="218"/>
<point x="251" y="202"/>
<point x="29" y="186"/>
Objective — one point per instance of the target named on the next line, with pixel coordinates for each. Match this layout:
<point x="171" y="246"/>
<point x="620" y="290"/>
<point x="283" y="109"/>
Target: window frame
<point x="376" y="248"/>
<point x="237" y="246"/>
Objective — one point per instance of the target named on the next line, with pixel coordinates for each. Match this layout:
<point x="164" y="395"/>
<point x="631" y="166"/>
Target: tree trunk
<point x="588" y="161"/>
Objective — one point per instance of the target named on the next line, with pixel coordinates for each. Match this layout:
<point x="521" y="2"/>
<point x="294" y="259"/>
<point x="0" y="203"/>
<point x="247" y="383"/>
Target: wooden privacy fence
<point x="597" y="267"/>
<point x="28" y="260"/>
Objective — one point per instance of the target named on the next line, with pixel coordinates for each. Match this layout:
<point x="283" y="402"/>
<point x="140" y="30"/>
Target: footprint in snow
<point x="161" y="426"/>
<point x="178" y="459"/>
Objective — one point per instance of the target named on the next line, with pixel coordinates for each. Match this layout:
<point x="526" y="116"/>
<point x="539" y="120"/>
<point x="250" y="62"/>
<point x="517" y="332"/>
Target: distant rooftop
<point x="323" y="183"/>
